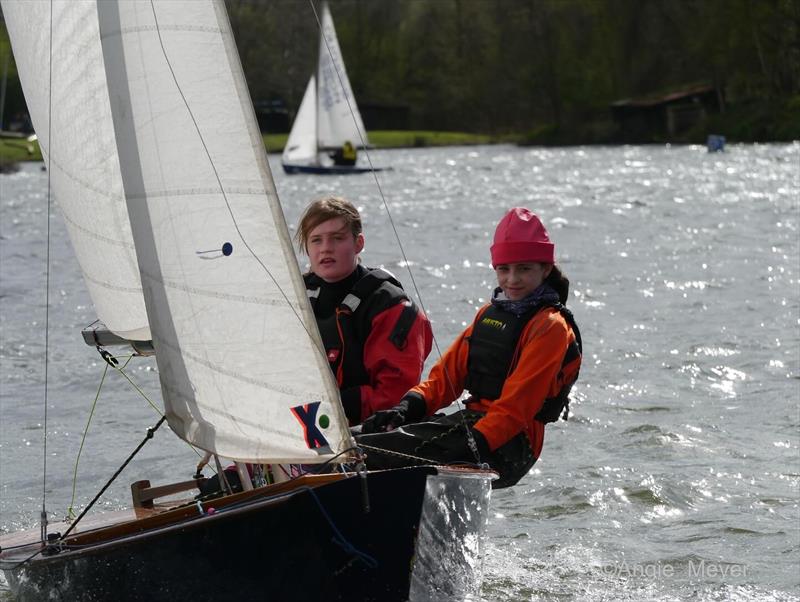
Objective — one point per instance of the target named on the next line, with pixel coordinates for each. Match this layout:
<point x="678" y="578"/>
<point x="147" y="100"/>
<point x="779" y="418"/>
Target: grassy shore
<point x="14" y="150"/>
<point x="740" y="124"/>
<point x="403" y="139"/>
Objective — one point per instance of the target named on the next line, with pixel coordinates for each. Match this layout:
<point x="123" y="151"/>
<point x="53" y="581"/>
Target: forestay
<point x="79" y="148"/>
<point x="337" y="113"/>
<point x="238" y="353"/>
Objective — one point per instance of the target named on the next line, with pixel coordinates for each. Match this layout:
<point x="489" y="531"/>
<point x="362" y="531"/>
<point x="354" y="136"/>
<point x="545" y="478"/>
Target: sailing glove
<point x="411" y="408"/>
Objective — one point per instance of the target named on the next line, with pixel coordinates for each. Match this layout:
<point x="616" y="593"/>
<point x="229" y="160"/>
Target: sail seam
<point x="95" y="235"/>
<point x="83" y="182"/>
<point x="158" y="28"/>
<point x="208" y="364"/>
<point x="109" y="286"/>
<point x="195" y="191"/>
<point x="263" y="429"/>
<point x="112" y="198"/>
<point x="216" y="294"/>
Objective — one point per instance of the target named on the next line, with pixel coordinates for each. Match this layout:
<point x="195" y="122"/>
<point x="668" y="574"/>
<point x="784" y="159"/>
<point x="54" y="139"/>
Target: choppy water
<point x="678" y="476"/>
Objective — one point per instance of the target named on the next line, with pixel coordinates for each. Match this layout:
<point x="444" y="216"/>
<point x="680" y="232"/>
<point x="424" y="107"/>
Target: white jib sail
<point x="337" y="112"/>
<point x="238" y="352"/>
<point x="79" y="148"/>
<point x="301" y="146"/>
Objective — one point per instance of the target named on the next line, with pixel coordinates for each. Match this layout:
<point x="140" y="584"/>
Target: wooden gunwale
<point x="113" y="525"/>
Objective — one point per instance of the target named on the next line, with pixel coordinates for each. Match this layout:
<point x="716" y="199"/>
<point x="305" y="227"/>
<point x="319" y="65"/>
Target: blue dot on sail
<point x="227" y="249"/>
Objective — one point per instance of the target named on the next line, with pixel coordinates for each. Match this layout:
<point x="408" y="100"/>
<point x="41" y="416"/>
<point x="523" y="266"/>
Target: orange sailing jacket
<point x="537" y="376"/>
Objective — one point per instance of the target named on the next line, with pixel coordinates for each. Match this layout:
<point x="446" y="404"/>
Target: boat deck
<point x="133" y="520"/>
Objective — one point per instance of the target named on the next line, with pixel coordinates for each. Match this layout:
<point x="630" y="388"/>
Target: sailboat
<point x="328" y="116"/>
<point x="154" y="156"/>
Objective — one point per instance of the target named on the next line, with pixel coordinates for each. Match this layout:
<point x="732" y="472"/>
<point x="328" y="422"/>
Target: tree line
<point x="503" y="66"/>
<point x="496" y="66"/>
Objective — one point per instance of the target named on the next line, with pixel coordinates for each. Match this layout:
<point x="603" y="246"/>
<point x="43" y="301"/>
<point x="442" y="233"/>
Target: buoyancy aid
<point x="345" y="331"/>
<point x="348" y="152"/>
<point x="494" y="348"/>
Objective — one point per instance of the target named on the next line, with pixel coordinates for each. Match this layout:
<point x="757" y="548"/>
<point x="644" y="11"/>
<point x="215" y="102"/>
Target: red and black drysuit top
<point x="375" y="338"/>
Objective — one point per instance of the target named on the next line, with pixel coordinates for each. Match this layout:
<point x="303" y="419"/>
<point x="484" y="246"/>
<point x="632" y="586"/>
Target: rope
<point x="146" y="398"/>
<point x="391" y="452"/>
<point x="340" y="539"/>
<point x="422" y="460"/>
<point x="136" y="387"/>
<point x="70" y="511"/>
<point x="149" y="436"/>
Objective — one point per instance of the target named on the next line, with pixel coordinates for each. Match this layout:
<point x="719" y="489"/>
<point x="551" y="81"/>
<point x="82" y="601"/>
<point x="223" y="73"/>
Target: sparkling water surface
<point x="678" y="474"/>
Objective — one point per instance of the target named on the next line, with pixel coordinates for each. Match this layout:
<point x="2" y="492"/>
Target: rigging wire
<point x="150" y="432"/>
<point x="137" y="387"/>
<point x="43" y="515"/>
<point x="57" y="536"/>
<point x="470" y="439"/>
<point x="121" y="369"/>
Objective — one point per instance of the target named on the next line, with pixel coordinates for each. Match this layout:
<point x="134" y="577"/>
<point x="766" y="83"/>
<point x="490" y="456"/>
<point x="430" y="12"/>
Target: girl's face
<point x="333" y="250"/>
<point x="518" y="280"/>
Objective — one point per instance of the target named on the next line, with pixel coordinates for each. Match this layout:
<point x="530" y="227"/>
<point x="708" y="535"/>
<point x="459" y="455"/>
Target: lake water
<point x="678" y="474"/>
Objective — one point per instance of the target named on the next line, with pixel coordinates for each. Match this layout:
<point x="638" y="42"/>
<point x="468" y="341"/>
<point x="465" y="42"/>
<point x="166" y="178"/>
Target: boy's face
<point x="333" y="250"/>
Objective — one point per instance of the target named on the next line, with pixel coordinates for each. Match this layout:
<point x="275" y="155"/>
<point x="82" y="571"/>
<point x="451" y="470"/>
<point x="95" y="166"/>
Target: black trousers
<point x="442" y="439"/>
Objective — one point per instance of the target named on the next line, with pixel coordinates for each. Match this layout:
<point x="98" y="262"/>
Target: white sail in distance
<point x="238" y="352"/>
<point x="73" y="124"/>
<point x="301" y="146"/>
<point x="338" y="118"/>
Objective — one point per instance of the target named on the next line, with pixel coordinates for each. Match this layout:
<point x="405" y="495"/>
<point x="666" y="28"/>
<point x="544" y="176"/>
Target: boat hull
<point x="329" y="170"/>
<point x="416" y="539"/>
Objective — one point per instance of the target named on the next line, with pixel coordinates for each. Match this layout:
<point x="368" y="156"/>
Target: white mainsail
<point x="238" y="352"/>
<point x="338" y="116"/>
<point x="79" y="148"/>
<point x="301" y="146"/>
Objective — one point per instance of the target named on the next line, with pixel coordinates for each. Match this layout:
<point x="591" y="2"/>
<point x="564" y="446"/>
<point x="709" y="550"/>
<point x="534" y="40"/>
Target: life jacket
<point x="345" y="331"/>
<point x="348" y="152"/>
<point x="494" y="349"/>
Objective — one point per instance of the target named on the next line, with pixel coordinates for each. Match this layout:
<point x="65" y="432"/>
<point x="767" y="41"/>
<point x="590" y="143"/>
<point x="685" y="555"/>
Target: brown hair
<point x="322" y="210"/>
<point x="559" y="282"/>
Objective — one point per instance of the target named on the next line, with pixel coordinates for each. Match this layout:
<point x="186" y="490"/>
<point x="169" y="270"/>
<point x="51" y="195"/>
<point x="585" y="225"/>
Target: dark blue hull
<point x="329" y="170"/>
<point x="308" y="543"/>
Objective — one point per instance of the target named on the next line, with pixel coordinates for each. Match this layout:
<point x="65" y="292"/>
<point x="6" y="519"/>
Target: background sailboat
<point x="155" y="158"/>
<point x="328" y="115"/>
